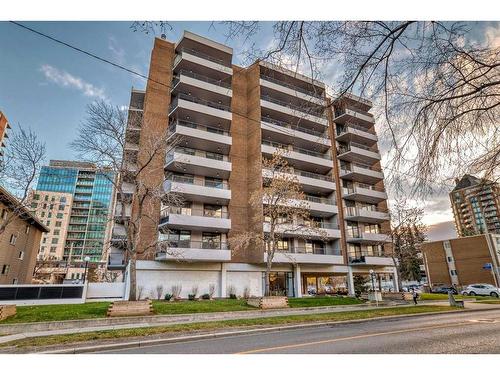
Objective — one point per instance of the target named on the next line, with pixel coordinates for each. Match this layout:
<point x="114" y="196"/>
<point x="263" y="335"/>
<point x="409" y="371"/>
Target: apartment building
<point x="4" y="127"/>
<point x="476" y="206"/>
<point x="463" y="261"/>
<point x="223" y="120"/>
<point x="19" y="242"/>
<point x="74" y="200"/>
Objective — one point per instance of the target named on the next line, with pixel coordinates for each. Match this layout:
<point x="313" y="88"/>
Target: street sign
<point x="487" y="266"/>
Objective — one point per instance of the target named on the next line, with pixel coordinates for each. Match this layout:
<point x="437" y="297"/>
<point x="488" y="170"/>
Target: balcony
<point x="184" y="105"/>
<point x="355" y="133"/>
<point x="365" y="215"/>
<point x="188" y="58"/>
<point x="358" y="152"/>
<point x="370" y="260"/>
<point x="195" y="251"/>
<point x="321" y="206"/>
<point x="292" y="90"/>
<point x="194" y="190"/>
<point x="198" y="162"/>
<point x="311" y="182"/>
<point x="116" y="261"/>
<point x="362" y="173"/>
<point x="351" y="116"/>
<point x="320" y="231"/>
<point x="118" y="210"/>
<point x="202" y="137"/>
<point x="190" y="81"/>
<point x="300" y="112"/>
<point x="299" y="157"/>
<point x="191" y="219"/>
<point x="365" y="193"/>
<point x="283" y="130"/>
<point x="356" y="236"/>
<point x="302" y="255"/>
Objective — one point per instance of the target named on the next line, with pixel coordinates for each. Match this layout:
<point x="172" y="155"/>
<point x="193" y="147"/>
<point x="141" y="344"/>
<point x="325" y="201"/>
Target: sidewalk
<point x="14" y="332"/>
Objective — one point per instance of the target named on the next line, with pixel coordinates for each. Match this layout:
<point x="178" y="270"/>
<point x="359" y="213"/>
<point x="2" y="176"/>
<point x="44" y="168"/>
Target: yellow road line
<point x="354" y="337"/>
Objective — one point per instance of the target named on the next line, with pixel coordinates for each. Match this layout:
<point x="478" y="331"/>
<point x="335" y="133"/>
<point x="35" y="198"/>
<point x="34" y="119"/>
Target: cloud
<point x="65" y="79"/>
<point x="492" y="36"/>
<point x="117" y="52"/>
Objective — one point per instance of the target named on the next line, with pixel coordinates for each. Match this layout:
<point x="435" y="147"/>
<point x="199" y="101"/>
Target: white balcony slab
<point x="293" y="112"/>
<point x="360" y="154"/>
<point x="296" y="231"/>
<point x="360" y="174"/>
<point x="366" y="216"/>
<point x="198" y="165"/>
<point x="200" y="255"/>
<point x="292" y="92"/>
<point x="322" y="140"/>
<point x="302" y="258"/>
<point x="309" y="183"/>
<point x="364" y="195"/>
<point x="379" y="261"/>
<point x="198" y="137"/>
<point x="198" y="192"/>
<point x="185" y="80"/>
<point x="304" y="158"/>
<point x="357" y="135"/>
<point x="203" y="109"/>
<point x="191" y="222"/>
<point x="350" y="116"/>
<point x="369" y="238"/>
<point x="186" y="56"/>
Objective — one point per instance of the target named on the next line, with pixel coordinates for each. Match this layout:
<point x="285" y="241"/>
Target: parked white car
<point x="481" y="290"/>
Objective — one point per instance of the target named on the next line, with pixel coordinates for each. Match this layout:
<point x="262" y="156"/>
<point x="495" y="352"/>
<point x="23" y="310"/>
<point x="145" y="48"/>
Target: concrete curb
<point x="142" y="343"/>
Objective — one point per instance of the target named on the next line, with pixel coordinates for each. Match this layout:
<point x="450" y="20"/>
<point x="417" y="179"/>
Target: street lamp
<point x="87" y="260"/>
<point x="372" y="275"/>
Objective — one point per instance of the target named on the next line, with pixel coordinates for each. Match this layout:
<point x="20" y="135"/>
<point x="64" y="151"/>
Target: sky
<point x="46" y="86"/>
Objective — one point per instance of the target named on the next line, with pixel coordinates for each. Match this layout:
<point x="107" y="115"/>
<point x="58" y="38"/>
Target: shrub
<point x="194" y="291"/>
<point x="231" y="290"/>
<point x="246" y="292"/>
<point x="206" y="296"/>
<point x="159" y="291"/>
<point x="211" y="290"/>
<point x="140" y="290"/>
<point x="168" y="297"/>
<point x="233" y="296"/>
<point x="176" y="291"/>
<point x="192" y="297"/>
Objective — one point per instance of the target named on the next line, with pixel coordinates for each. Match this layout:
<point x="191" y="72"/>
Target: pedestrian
<point x="415" y="296"/>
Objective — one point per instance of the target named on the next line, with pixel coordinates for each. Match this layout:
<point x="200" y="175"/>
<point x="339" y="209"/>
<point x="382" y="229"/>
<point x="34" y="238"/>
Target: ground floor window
<point x="325" y="284"/>
<point x="280" y="284"/>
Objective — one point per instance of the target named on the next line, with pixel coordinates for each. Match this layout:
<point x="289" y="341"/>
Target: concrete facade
<point x="247" y="113"/>
<point x="460" y="261"/>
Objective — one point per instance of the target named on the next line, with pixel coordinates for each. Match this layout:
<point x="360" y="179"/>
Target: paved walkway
<point x="27" y="330"/>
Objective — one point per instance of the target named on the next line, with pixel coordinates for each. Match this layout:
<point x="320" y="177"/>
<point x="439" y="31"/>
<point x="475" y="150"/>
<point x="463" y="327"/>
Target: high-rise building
<point x="74" y="200"/>
<point x="476" y="206"/>
<point x="4" y="126"/>
<point x="228" y="118"/>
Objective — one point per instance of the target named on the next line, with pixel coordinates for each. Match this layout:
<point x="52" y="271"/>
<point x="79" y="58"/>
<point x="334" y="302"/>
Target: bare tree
<point x="407" y="233"/>
<point x="285" y="209"/>
<point x="435" y="86"/>
<point x="19" y="170"/>
<point x="102" y="139"/>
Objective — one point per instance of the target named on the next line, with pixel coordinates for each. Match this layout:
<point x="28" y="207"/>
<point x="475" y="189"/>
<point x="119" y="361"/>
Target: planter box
<point x="130" y="308"/>
<point x="271" y="302"/>
<point x="6" y="311"/>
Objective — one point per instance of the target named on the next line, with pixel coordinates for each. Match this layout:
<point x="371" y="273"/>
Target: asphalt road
<point x="471" y="332"/>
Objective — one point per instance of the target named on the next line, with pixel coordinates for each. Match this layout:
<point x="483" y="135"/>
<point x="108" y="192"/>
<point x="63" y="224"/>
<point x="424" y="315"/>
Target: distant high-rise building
<point x="4" y="126"/>
<point x="74" y="200"/>
<point x="476" y="206"/>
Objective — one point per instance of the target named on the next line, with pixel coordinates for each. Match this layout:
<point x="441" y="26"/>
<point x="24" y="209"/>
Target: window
<point x="53" y="249"/>
<point x="49" y="214"/>
<point x="21" y="255"/>
<point x="211" y="240"/>
<point x="60" y="215"/>
<point x="34" y="205"/>
<point x="214" y="182"/>
<point x="44" y="240"/>
<point x="58" y="223"/>
<point x="46" y="198"/>
<point x="450" y="259"/>
<point x="42" y="214"/>
<point x="14" y="281"/>
<point x="5" y="269"/>
<point x="36" y="197"/>
<point x="55" y="240"/>
<point x="57" y="232"/>
<point x="453" y="272"/>
<point x="212" y="210"/>
<point x="13" y="239"/>
<point x="48" y="223"/>
<point x="62" y="207"/>
<point x="62" y="199"/>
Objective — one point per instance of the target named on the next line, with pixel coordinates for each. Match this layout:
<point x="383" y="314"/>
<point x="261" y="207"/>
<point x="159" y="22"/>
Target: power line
<point x="147" y="78"/>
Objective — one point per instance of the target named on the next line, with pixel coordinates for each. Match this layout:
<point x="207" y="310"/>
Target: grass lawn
<point x="489" y="301"/>
<point x="92" y="310"/>
<point x="458" y="297"/>
<point x="323" y="301"/>
<point x="29" y="314"/>
<point x="192" y="327"/>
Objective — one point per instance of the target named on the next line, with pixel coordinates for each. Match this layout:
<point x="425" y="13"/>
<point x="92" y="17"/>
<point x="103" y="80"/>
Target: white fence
<point x="105" y="291"/>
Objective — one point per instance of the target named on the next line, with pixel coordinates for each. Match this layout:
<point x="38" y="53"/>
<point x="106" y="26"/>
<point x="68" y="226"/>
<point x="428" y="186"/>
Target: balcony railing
<point x="321" y="200"/>
<point x="293" y="87"/>
<point x="285" y="124"/>
<point x="194" y="125"/>
<point x="194" y="212"/>
<point x="346" y="168"/>
<point x="355" y="211"/>
<point x="297" y="149"/>
<point x="346" y="148"/>
<point x="199" y="153"/>
<point x="193" y="99"/>
<point x="204" y="56"/>
<point x="308" y="109"/>
<point x="188" y="244"/>
<point x="345" y="129"/>
<point x="316" y="176"/>
<point x="191" y="181"/>
<point x="200" y="77"/>
<point x="318" y="224"/>
<point x="354" y="189"/>
<point x="339" y="112"/>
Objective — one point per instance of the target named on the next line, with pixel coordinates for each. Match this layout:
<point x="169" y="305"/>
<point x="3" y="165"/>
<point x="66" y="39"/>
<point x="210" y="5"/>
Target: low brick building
<point x="19" y="242"/>
<point x="461" y="261"/>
